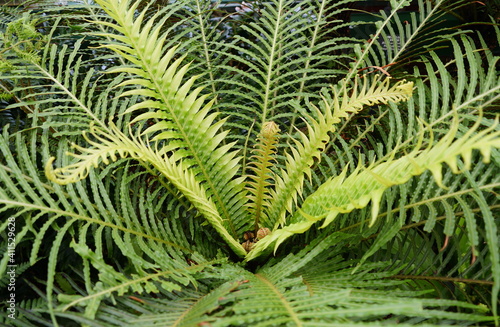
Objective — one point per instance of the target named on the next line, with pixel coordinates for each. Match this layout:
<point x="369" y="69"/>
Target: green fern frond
<point x="452" y="222"/>
<point x="343" y="194"/>
<point x="316" y="287"/>
<point x="198" y="138"/>
<point x="207" y="37"/>
<point x="133" y="227"/>
<point x="343" y="103"/>
<point x="110" y="146"/>
<point x="60" y="72"/>
<point x="261" y="166"/>
<point x="401" y="37"/>
<point x="152" y="236"/>
<point x="22" y="39"/>
<point x="286" y="51"/>
<point x="189" y="126"/>
<point x="312" y="287"/>
<point x="114" y="283"/>
<point x="106" y="147"/>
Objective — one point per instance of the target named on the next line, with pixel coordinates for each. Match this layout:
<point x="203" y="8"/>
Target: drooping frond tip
<point x="105" y="147"/>
<point x="406" y="87"/>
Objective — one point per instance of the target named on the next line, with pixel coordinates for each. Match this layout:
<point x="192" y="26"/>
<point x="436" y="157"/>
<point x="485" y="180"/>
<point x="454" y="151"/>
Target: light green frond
<point x="106" y="149"/>
<point x="369" y="93"/>
<point x="262" y="177"/>
<point x="109" y="146"/>
<point x="342" y="104"/>
<point x="191" y="129"/>
<point x="344" y="194"/>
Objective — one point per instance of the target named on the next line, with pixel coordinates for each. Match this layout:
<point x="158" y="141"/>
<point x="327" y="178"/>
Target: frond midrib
<point x="270" y="64"/>
<point x="135" y="281"/>
<point x="288" y="307"/>
<point x="64" y="213"/>
<point x="205" y="48"/>
<point x="214" y="190"/>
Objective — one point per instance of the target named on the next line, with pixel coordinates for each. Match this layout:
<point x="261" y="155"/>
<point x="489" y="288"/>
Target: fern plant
<point x="255" y="178"/>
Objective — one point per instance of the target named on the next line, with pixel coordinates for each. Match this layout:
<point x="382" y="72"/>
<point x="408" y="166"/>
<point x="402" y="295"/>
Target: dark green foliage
<point x="170" y="170"/>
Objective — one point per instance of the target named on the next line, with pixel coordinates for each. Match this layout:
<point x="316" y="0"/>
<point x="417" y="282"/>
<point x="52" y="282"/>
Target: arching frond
<point x="83" y="208"/>
<point x="177" y="172"/>
<point x="341" y="105"/>
<point x="343" y="194"/>
<point x="190" y="127"/>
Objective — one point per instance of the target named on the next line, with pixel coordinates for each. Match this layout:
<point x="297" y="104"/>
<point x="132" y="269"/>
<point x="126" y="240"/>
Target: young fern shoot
<point x="264" y="177"/>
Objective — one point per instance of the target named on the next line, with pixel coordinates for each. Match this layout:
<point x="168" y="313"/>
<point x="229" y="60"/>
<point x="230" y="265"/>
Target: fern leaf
<point x="259" y="187"/>
<point x="113" y="282"/>
<point x="191" y="311"/>
<point x="343" y="194"/>
<point x="397" y="42"/>
<point x="191" y="127"/>
<point x="316" y="287"/>
<point x="111" y="146"/>
<point x="299" y="163"/>
<point x="285" y="51"/>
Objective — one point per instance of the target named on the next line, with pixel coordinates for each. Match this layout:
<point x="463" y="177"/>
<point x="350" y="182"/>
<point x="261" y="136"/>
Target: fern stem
<point x="87" y="110"/>
<point x="443" y="279"/>
<point x="53" y="256"/>
<point x="279" y="294"/>
<point x="420" y="27"/>
<point x="205" y="49"/>
<point x="144" y="279"/>
<point x="245" y="149"/>
<point x="373" y="40"/>
<point x="312" y="43"/>
<point x="270" y="67"/>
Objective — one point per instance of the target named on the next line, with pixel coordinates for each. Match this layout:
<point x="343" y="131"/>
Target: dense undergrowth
<point x="189" y="164"/>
